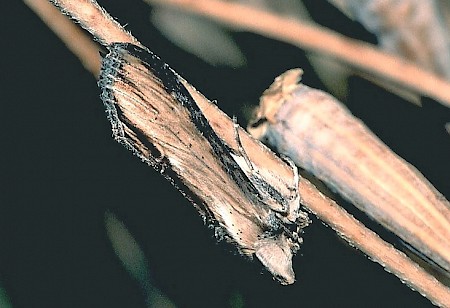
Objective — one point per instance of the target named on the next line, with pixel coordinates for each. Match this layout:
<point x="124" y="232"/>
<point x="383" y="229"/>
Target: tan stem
<point x="361" y="56"/>
<point x="372" y="245"/>
<point x="96" y="20"/>
<point x="79" y="43"/>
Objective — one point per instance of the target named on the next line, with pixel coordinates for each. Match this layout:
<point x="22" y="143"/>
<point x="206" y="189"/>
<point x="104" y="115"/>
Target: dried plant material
<point x="412" y="29"/>
<point x="208" y="40"/>
<point x="199" y="36"/>
<point x="360" y="237"/>
<point x="69" y="33"/>
<point x="92" y="17"/>
<point x="289" y="8"/>
<point x="322" y="136"/>
<point x="331" y="72"/>
<point x="362" y="57"/>
<point x="153" y="115"/>
<point x="328" y="211"/>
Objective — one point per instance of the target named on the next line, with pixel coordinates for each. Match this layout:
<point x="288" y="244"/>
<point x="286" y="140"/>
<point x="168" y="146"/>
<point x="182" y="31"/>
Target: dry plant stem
<point x="325" y="208"/>
<point x="372" y="245"/>
<point x="96" y="20"/>
<point x="363" y="57"/>
<point x="336" y="217"/>
<point x="80" y="44"/>
<point x="413" y="29"/>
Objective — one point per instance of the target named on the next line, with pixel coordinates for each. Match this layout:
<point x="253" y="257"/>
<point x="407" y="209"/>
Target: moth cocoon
<point x="155" y="115"/>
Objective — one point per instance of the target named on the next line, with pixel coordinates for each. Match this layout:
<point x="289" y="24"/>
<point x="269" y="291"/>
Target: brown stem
<point x="96" y="20"/>
<point x="79" y="43"/>
<point x="361" y="56"/>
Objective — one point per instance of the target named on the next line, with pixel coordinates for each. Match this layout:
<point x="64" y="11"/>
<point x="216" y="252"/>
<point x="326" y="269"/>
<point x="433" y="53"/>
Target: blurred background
<point x="83" y="223"/>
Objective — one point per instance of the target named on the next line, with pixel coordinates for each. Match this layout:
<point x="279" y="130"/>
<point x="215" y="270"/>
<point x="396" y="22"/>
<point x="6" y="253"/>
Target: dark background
<point x="60" y="170"/>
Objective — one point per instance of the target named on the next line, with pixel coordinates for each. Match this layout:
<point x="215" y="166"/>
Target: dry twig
<point x="412" y="29"/>
<point x="363" y="57"/>
<point x="79" y="43"/>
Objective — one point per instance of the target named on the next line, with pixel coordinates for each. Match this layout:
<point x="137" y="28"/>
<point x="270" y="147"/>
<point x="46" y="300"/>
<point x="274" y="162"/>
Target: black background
<point x="60" y="170"/>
